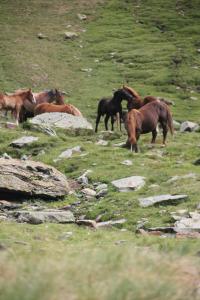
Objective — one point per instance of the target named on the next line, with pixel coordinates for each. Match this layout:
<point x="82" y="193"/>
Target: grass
<point x="153" y="47"/>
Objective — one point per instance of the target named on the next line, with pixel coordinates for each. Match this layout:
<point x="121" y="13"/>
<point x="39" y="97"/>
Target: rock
<point x="68" y="153"/>
<point x="88" y="70"/>
<point x="24" y="157"/>
<point x="102" y="143"/>
<point x="38" y="217"/>
<point x="110" y="223"/>
<point x="127" y="162"/>
<point x="189" y="126"/>
<point x="100" y="187"/>
<point x="197" y="162"/>
<point x="90" y="223"/>
<point x="31" y="178"/>
<point x="129" y="183"/>
<point x="188" y="224"/>
<point x="179" y="214"/>
<point x="60" y="120"/>
<point x="149" y="201"/>
<point x="6" y="156"/>
<point x="101" y="193"/>
<point x="89" y="192"/>
<point x="176" y="125"/>
<point x="82" y="17"/>
<point x="41" y="36"/>
<point x="70" y="35"/>
<point x="187" y="176"/>
<point x="167" y="229"/>
<point x="23" y="141"/>
<point x="7" y="205"/>
<point x="83" y="178"/>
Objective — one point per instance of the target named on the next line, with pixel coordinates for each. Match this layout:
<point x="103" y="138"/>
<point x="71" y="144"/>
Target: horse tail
<point x="169" y="120"/>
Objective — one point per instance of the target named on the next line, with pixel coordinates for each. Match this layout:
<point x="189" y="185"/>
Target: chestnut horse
<point x="138" y="102"/>
<point x="41" y="97"/>
<point x="145" y="120"/>
<point x="111" y="107"/>
<point x="15" y="102"/>
<point x="47" y="107"/>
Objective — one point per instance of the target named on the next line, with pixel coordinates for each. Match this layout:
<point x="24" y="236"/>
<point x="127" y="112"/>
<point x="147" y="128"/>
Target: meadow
<point x="154" y="47"/>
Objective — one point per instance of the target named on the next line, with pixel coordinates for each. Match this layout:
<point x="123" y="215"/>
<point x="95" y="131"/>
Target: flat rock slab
<point x="31" y="178"/>
<point x="129" y="183"/>
<point x="38" y="217"/>
<point x="189" y="126"/>
<point x="23" y="141"/>
<point x="149" y="201"/>
<point x="61" y="120"/>
<point x="69" y="152"/>
<point x="191" y="224"/>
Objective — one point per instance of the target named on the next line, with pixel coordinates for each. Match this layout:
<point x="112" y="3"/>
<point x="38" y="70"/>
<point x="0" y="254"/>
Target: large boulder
<point x="60" y="120"/>
<point x="189" y="126"/>
<point x="167" y="198"/>
<point x="129" y="183"/>
<point x="31" y="178"/>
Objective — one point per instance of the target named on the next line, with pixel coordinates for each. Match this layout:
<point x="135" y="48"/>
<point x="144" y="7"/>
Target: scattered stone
<point x="68" y="153"/>
<point x="154" y="186"/>
<point x="90" y="223"/>
<point x="129" y="183"/>
<point x="102" y="186"/>
<point x="70" y="35"/>
<point x="179" y="214"/>
<point x="102" y="143"/>
<point x="83" y="179"/>
<point x="60" y="120"/>
<point x="188" y="224"/>
<point x="11" y="125"/>
<point x="101" y="193"/>
<point x="88" y="70"/>
<point x="6" y="156"/>
<point x="41" y="36"/>
<point x="127" y="162"/>
<point x="149" y="201"/>
<point x="31" y="178"/>
<point x="88" y="192"/>
<point x="189" y="126"/>
<point x="24" y="157"/>
<point x="110" y="223"/>
<point x="119" y="145"/>
<point x="38" y="217"/>
<point x="65" y="236"/>
<point x="82" y="17"/>
<point x="193" y="98"/>
<point x="187" y="176"/>
<point x="167" y="229"/>
<point x="23" y="141"/>
<point x="176" y="125"/>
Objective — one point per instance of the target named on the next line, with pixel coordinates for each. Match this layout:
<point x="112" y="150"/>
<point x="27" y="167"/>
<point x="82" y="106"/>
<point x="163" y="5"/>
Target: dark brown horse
<point x="15" y="102"/>
<point x="41" y="97"/>
<point x="49" y="107"/>
<point x="145" y="120"/>
<point x="110" y="107"/>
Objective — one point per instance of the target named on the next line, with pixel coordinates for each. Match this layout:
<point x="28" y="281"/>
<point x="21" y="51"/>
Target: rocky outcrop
<point x="31" y="178"/>
<point x="189" y="126"/>
<point x="23" y="141"/>
<point x="60" y="120"/>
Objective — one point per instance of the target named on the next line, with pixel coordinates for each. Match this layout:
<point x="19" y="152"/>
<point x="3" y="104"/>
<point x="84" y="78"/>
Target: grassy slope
<point x="155" y="50"/>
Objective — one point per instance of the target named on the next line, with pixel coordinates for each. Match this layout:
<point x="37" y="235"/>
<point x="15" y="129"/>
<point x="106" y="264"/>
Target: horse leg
<point x="17" y="111"/>
<point x="165" y="130"/>
<point x="106" y="121"/>
<point x="97" y="122"/>
<point x="112" y="122"/>
<point x="154" y="135"/>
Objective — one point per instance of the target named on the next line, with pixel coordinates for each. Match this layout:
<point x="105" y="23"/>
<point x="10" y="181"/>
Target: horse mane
<point x="132" y="92"/>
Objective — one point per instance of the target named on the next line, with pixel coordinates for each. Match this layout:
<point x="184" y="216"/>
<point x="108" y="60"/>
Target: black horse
<point x="110" y="107"/>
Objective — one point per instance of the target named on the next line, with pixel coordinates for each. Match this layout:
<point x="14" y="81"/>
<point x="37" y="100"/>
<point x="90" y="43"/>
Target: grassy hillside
<point x="154" y="47"/>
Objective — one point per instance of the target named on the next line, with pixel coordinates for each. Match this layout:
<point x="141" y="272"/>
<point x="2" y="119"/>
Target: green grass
<point x="153" y="47"/>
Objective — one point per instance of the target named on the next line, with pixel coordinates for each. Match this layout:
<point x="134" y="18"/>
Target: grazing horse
<point x="138" y="102"/>
<point x="110" y="107"/>
<point x="15" y="102"/>
<point x="41" y="97"/>
<point x="65" y="108"/>
<point x="145" y="120"/>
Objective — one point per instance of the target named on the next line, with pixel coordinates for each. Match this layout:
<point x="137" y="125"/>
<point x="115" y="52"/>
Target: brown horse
<point x="138" y="102"/>
<point x="145" y="120"/>
<point x="47" y="107"/>
<point x="41" y="97"/>
<point x="15" y="102"/>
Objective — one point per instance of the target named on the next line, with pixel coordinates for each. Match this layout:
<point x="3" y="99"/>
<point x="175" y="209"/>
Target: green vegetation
<point x="153" y="46"/>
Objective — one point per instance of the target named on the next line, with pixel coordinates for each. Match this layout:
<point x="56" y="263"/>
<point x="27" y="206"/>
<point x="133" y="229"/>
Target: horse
<point x="15" y="102"/>
<point x="110" y="107"/>
<point x="145" y="120"/>
<point x="41" y="97"/>
<point x="138" y="102"/>
<point x="65" y="108"/>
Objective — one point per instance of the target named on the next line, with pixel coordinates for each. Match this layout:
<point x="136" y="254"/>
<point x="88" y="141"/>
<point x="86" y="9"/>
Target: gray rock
<point x="129" y="183"/>
<point x="70" y="35"/>
<point x="6" y="156"/>
<point x="88" y="192"/>
<point x="68" y="153"/>
<point x="31" y="178"/>
<point x="38" y="217"/>
<point x="82" y="17"/>
<point x="101" y="193"/>
<point x="110" y="223"/>
<point x="176" y="125"/>
<point x="102" y="142"/>
<point x="83" y="179"/>
<point x="189" y="126"/>
<point x="187" y="176"/>
<point x="41" y="36"/>
<point x="60" y="120"/>
<point x="127" y="162"/>
<point x="23" y="141"/>
<point x="101" y="186"/>
<point x="188" y="224"/>
<point x="149" y="201"/>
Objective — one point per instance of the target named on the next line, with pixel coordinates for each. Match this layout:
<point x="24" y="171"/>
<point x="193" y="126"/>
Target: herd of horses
<point x="142" y="116"/>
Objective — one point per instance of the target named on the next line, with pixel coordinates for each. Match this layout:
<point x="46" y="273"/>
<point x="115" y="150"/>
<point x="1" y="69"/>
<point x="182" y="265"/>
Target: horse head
<point x="59" y="97"/>
<point x="123" y="94"/>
